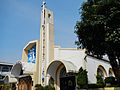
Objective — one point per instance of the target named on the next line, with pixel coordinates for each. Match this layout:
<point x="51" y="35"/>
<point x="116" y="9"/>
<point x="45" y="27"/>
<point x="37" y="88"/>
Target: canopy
<point x="23" y="68"/>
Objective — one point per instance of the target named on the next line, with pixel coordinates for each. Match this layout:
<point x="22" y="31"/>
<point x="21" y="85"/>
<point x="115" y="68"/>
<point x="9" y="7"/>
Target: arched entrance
<point x="101" y="71"/>
<point x="63" y="74"/>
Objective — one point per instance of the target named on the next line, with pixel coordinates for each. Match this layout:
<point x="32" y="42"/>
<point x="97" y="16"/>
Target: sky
<point x="20" y="23"/>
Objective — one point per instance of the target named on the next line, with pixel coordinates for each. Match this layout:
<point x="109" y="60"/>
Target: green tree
<point x="100" y="80"/>
<point x="39" y="87"/>
<point x="98" y="31"/>
<point x="82" y="79"/>
<point x="110" y="80"/>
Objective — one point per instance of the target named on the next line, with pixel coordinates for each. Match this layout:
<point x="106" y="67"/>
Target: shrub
<point x="92" y="86"/>
<point x="38" y="87"/>
<point x="82" y="79"/>
<point x="100" y="81"/>
<point x="4" y="87"/>
<point x="110" y="80"/>
<point x="48" y="87"/>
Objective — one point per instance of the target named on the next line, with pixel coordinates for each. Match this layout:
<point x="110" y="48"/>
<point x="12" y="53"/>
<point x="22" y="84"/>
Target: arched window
<point x="101" y="71"/>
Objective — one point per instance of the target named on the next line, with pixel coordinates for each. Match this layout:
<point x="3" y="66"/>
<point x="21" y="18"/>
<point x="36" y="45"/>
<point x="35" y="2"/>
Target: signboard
<point x="32" y="54"/>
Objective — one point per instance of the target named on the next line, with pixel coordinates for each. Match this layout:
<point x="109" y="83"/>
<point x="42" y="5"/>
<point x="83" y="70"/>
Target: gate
<point x="67" y="83"/>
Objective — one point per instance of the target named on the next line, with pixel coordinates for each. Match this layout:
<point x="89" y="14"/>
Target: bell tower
<point x="46" y="51"/>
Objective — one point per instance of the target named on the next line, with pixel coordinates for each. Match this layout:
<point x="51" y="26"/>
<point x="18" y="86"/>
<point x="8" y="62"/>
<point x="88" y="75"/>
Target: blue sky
<point x="20" y="23"/>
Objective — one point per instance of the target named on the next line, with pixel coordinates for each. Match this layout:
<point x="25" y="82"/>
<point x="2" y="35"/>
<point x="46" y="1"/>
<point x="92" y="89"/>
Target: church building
<point x="43" y="62"/>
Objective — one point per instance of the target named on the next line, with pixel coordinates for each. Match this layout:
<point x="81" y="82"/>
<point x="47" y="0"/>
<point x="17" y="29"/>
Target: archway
<point x="63" y="73"/>
<point x="101" y="71"/>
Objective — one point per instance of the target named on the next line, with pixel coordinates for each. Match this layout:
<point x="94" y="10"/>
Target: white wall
<point x="70" y="54"/>
<point x="92" y="65"/>
<point x="56" y="52"/>
<point x="79" y="59"/>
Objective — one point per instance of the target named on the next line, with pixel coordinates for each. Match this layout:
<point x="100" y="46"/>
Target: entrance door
<point x="67" y="83"/>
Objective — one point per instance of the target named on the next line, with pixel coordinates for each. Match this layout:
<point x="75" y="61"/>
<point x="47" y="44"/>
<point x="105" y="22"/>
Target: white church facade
<point x="43" y="60"/>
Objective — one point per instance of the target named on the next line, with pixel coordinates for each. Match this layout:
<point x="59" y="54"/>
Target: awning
<point x="54" y="65"/>
<point x="23" y="68"/>
<point x="16" y="69"/>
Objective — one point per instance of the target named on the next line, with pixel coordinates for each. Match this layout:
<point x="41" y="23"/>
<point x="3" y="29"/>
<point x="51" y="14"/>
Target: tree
<point x="39" y="87"/>
<point x="98" y="31"/>
<point x="82" y="79"/>
<point x="100" y="81"/>
<point x="110" y="80"/>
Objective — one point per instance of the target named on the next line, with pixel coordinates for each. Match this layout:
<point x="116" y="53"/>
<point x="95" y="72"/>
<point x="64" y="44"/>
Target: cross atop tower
<point x="43" y="13"/>
<point x="43" y="3"/>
